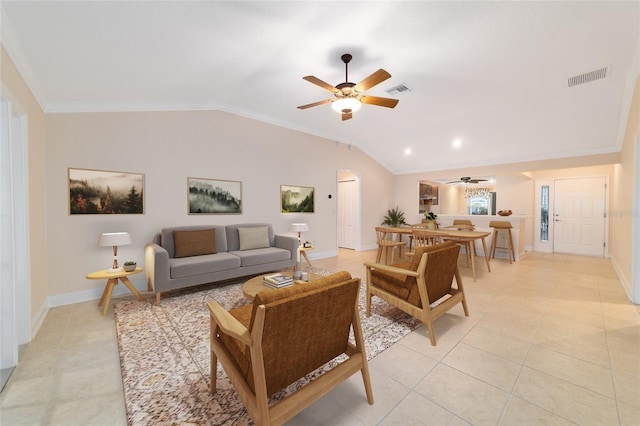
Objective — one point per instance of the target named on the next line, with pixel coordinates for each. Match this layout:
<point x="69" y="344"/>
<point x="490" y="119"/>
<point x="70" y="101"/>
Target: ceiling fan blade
<point x="476" y="180"/>
<point x="375" y="78"/>
<point x="315" y="104"/>
<point x="318" y="82"/>
<point x="346" y="116"/>
<point x="383" y="102"/>
<point x="454" y="181"/>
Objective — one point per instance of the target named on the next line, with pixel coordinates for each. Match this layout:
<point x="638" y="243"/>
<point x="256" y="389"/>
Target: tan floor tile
<point x="100" y="410"/>
<point x="521" y="413"/>
<point x="629" y="416"/>
<point x="406" y="366"/>
<point x="28" y="415"/>
<point x="498" y="344"/>
<point x="625" y="362"/>
<point x="565" y="399"/>
<point x="581" y="373"/>
<point x="417" y="410"/>
<point x="325" y="411"/>
<point x="483" y="365"/>
<point x="627" y="389"/>
<point x="469" y="398"/>
<point x="30" y="391"/>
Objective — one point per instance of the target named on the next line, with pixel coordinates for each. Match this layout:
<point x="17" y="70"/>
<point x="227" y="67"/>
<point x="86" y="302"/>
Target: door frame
<point x="357" y="220"/>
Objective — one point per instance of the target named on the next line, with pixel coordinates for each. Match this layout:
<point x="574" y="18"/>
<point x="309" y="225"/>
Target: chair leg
<point x="512" y="254"/>
<point x="432" y="332"/>
<point x="493" y="243"/>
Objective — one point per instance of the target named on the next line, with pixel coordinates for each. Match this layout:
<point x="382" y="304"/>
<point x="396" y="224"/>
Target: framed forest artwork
<point x="296" y="199"/>
<point x="213" y="196"/>
<point x="105" y="192"/>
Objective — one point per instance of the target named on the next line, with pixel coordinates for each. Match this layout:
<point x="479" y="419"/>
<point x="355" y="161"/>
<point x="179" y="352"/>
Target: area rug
<point x="164" y="356"/>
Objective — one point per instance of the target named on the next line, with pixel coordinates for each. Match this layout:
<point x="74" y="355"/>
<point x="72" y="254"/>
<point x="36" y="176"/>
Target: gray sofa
<point x="186" y="256"/>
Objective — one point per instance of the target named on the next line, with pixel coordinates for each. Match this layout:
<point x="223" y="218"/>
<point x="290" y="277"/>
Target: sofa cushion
<point x="194" y="243"/>
<point x="262" y="256"/>
<point x="233" y="240"/>
<point x="167" y="242"/>
<point x="253" y="238"/>
<point x="198" y="265"/>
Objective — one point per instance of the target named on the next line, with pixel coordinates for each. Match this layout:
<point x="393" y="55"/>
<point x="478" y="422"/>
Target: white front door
<point x="579" y="216"/>
<point x="347" y="213"/>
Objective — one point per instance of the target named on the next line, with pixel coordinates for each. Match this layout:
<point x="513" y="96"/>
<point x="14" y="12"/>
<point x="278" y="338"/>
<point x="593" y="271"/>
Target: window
<point x="544" y="213"/>
<point x="480" y="201"/>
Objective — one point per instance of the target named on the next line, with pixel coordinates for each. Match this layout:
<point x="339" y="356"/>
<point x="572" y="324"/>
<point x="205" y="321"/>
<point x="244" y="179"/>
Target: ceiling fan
<point x="349" y="97"/>
<point x="467" y="179"/>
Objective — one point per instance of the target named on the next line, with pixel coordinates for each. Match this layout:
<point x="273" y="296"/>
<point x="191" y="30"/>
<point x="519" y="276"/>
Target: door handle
<point x="556" y="220"/>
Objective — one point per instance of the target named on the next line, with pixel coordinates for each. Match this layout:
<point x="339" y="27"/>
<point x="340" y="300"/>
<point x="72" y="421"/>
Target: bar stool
<point x="504" y="226"/>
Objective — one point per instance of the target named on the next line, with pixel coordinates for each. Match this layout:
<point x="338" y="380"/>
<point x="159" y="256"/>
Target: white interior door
<point x="347" y="213"/>
<point x="579" y="216"/>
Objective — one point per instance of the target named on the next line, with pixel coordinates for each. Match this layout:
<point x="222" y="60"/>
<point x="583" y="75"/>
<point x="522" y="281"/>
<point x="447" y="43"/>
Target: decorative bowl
<point x="505" y="212"/>
<point x="129" y="268"/>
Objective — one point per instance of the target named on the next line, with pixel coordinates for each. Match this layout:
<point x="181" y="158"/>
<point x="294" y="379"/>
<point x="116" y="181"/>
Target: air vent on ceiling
<point x="398" y="89"/>
<point x="588" y="77"/>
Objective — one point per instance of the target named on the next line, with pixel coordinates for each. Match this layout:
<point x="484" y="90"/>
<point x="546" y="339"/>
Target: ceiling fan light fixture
<point x="348" y="104"/>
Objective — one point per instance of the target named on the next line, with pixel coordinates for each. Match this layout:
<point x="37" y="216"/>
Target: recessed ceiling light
<point x="457" y="143"/>
<point x="407" y="151"/>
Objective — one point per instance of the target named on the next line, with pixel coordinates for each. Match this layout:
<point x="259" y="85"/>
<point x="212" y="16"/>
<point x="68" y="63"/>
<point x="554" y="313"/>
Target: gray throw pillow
<point x="253" y="238"/>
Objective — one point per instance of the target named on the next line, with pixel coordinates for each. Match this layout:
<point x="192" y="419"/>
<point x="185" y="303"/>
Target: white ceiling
<point x="493" y="74"/>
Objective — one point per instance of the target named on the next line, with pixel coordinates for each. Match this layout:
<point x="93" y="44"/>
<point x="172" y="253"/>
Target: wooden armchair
<point x="422" y="287"/>
<point x="285" y="335"/>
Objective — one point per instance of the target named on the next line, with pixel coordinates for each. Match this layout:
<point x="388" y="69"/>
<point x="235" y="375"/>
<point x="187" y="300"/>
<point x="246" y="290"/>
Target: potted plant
<point x="431" y="218"/>
<point x="394" y="218"/>
<point x="130" y="266"/>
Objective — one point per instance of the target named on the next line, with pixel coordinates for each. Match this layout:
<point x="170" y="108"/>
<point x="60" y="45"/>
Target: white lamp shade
<point x="299" y="227"/>
<point x="114" y="239"/>
<point x="349" y="104"/>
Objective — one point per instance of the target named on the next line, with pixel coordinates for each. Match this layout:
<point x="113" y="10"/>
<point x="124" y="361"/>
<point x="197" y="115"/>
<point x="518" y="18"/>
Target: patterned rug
<point x="164" y="355"/>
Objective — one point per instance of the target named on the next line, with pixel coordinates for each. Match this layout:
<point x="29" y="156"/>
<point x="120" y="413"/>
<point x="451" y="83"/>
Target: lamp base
<point x="114" y="270"/>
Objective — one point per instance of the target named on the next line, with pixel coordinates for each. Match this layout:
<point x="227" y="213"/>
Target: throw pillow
<point x="194" y="243"/>
<point x="253" y="238"/>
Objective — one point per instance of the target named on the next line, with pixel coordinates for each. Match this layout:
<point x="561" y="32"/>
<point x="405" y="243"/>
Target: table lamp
<point x="114" y="239"/>
<point x="299" y="228"/>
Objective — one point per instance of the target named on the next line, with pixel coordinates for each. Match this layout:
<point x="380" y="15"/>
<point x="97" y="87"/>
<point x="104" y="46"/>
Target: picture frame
<point x="105" y="192"/>
<point x="297" y="199"/>
<point x="213" y="196"/>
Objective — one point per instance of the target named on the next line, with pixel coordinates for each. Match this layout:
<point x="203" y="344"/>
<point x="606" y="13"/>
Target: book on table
<point x="277" y="280"/>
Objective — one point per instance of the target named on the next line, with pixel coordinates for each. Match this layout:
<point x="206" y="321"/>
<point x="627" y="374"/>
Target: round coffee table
<point x="255" y="284"/>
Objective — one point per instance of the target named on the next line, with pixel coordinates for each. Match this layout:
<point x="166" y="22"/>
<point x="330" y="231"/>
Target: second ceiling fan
<point x="349" y="97"/>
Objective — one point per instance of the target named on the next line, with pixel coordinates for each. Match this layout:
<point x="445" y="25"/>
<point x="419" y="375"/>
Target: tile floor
<point x="551" y="339"/>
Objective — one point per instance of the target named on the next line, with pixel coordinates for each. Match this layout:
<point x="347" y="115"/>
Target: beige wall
<point x="168" y="147"/>
<point x="625" y="188"/>
<point x="15" y="90"/>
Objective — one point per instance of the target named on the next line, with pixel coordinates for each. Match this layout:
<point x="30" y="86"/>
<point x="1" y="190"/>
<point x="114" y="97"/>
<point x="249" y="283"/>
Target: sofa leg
<point x="158" y="298"/>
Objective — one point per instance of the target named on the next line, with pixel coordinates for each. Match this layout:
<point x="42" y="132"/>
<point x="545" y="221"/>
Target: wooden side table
<point x="112" y="281"/>
<point x="303" y="252"/>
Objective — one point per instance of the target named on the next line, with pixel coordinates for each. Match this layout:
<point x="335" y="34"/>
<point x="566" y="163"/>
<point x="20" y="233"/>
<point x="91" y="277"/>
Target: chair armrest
<point x="392" y="269"/>
<point x="228" y="324"/>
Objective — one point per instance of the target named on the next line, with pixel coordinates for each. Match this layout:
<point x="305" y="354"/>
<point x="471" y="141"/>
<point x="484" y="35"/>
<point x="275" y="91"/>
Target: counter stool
<point x="504" y="226"/>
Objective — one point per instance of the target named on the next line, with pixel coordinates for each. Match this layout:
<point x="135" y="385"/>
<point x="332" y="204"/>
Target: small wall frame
<point x="297" y="199"/>
<point x="214" y="196"/>
<point x="105" y="192"/>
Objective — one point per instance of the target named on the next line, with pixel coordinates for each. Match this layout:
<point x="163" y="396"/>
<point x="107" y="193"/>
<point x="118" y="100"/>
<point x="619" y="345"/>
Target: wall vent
<point x="588" y="77"/>
<point x="398" y="89"/>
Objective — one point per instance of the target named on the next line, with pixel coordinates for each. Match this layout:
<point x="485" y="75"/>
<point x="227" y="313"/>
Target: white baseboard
<point x="38" y="318"/>
<point x="92" y="294"/>
<point x="626" y="285"/>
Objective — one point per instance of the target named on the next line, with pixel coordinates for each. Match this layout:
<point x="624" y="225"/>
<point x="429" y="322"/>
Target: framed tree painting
<point x="213" y="196"/>
<point x="296" y="199"/>
<point x="105" y="192"/>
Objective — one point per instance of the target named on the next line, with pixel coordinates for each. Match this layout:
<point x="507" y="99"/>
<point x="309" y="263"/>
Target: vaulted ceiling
<point x="493" y="75"/>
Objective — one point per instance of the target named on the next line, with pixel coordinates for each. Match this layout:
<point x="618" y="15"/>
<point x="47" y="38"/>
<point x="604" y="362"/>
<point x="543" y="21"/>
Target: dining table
<point x="463" y="235"/>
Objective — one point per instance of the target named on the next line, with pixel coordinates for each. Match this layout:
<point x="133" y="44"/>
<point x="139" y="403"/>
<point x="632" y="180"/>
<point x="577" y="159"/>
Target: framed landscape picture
<point x="212" y="196"/>
<point x="105" y="192"/>
<point x="296" y="199"/>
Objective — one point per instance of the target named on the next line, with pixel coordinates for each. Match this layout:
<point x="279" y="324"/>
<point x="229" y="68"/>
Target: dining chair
<point x="423" y="237"/>
<point x="462" y="225"/>
<point x="388" y="241"/>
